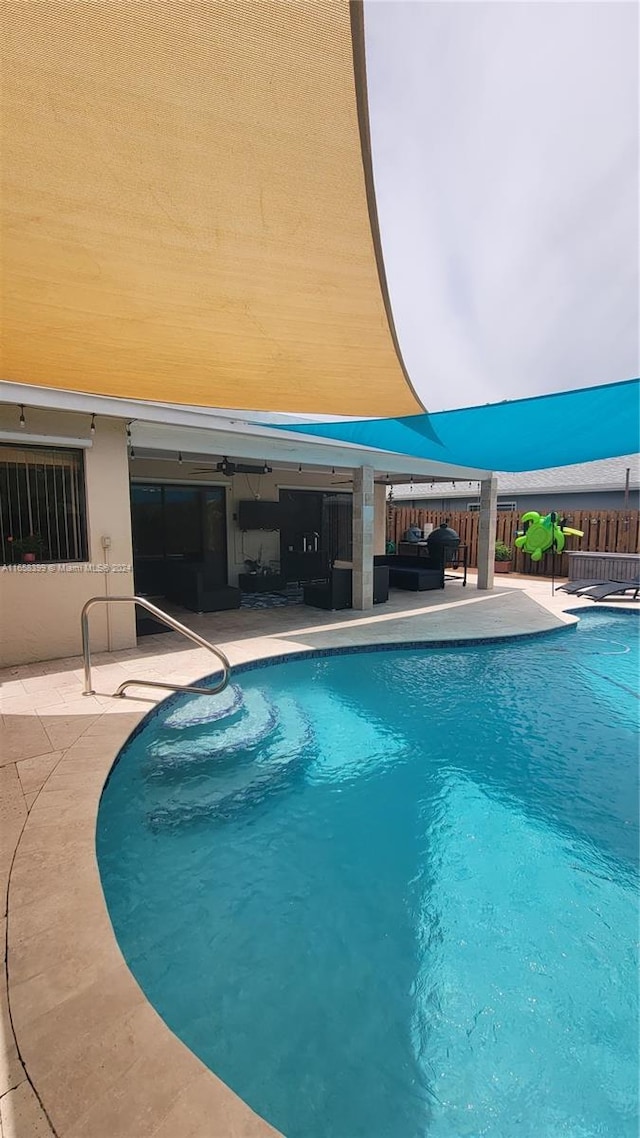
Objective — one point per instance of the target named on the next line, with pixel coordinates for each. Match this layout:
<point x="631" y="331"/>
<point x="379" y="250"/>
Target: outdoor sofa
<point x="416" y="574"/>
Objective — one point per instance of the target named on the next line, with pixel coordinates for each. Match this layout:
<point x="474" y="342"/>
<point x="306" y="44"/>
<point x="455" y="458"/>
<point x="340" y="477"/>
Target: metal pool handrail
<point x="166" y="619"/>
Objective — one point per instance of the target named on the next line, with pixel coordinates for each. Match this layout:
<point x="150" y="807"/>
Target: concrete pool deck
<point x="82" y="1052"/>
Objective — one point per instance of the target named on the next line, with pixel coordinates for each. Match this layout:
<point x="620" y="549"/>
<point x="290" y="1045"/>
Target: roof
<point x="189" y="206"/>
<point x="606" y="474"/>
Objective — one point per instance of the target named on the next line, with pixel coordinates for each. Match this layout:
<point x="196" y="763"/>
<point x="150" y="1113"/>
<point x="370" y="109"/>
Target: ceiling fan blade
<point x="229" y="469"/>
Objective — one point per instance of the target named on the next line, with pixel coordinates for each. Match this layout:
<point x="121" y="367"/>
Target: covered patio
<point x="219" y="467"/>
<point x="249" y="461"/>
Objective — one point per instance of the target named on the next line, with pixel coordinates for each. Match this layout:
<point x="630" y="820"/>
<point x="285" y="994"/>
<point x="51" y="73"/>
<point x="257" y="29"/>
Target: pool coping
<point x="78" y="1014"/>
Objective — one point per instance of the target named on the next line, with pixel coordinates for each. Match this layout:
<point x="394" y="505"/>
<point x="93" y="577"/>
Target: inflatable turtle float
<point x="543" y="533"/>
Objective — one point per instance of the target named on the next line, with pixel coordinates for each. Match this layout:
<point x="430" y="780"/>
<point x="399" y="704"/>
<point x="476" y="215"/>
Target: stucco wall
<point x="40" y="606"/>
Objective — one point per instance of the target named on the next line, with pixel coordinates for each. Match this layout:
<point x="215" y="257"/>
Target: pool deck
<point x="82" y="1052"/>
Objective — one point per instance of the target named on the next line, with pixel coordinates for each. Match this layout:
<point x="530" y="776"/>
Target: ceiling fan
<point x="228" y="468"/>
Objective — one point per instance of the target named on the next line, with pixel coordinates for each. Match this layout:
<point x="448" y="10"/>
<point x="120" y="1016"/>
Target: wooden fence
<point x="611" y="531"/>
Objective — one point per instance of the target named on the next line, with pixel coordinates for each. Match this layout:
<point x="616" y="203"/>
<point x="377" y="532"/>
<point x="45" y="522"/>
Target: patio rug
<point x="291" y="596"/>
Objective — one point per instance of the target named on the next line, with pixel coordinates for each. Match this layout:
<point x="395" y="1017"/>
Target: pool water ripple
<point x="408" y="907"/>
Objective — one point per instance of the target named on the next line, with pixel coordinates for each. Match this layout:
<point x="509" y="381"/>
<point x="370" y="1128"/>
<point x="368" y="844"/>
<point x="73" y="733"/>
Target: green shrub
<point x="503" y="552"/>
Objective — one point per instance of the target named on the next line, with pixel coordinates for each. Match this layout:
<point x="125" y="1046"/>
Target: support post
<point x="363" y="537"/>
<point x="487" y="532"/>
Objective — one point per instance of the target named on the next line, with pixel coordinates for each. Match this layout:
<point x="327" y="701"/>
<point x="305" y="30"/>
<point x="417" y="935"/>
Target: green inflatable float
<point x="543" y="533"/>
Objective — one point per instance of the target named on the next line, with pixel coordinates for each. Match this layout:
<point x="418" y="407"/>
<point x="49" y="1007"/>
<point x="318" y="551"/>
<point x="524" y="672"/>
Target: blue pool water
<point x="393" y="894"/>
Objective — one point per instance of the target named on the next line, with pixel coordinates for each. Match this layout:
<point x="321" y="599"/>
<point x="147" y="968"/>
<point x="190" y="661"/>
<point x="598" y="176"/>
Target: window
<point x="173" y="523"/>
<point x="502" y="507"/>
<point x="42" y="504"/>
<point x="167" y="520"/>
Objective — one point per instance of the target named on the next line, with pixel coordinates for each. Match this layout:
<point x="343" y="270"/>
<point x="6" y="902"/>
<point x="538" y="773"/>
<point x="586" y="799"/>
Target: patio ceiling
<point x="241" y="441"/>
<point x="189" y="209"/>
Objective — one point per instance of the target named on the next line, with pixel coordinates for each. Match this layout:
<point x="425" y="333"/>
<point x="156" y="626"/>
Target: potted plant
<point x="502" y="558"/>
<point x="27" y="548"/>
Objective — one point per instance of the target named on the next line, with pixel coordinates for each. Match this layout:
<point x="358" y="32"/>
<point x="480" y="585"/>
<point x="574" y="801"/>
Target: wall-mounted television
<point x="259" y="515"/>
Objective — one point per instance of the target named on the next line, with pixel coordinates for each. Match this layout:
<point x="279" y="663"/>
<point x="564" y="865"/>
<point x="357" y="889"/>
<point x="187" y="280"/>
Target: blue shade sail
<point x="526" y="434"/>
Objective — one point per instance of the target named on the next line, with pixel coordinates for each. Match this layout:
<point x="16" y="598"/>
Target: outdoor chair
<point x="577" y="586"/>
<point x="188" y="586"/>
<point x="415" y="574"/>
<point x="334" y="593"/>
<point x="337" y="591"/>
<point x="612" y="589"/>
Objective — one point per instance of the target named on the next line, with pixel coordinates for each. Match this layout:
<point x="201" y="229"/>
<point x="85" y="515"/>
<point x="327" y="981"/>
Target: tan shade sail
<point x="187" y="209"/>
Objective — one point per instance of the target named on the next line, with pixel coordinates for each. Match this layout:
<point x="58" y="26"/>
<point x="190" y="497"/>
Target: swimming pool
<point x="407" y="908"/>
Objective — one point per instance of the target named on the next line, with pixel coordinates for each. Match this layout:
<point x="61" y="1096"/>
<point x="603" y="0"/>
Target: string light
<point x="180" y="457"/>
<point x="23" y="421"/>
<point x="300" y="468"/>
<point x="92" y="428"/>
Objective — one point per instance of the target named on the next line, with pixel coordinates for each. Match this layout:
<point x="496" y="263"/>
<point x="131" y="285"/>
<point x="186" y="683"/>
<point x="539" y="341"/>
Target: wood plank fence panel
<point x="610" y="531"/>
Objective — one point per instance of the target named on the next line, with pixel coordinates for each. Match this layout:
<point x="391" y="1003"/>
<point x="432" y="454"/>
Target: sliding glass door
<point x="177" y="523"/>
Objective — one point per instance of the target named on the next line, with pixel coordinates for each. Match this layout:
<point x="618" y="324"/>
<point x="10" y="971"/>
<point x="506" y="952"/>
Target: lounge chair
<point x="576" y="586"/>
<point x="612" y="588"/>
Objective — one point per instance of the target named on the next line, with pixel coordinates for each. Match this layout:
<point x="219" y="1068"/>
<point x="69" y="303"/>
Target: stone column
<point x="363" y="537"/>
<point x="487" y="532"/>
